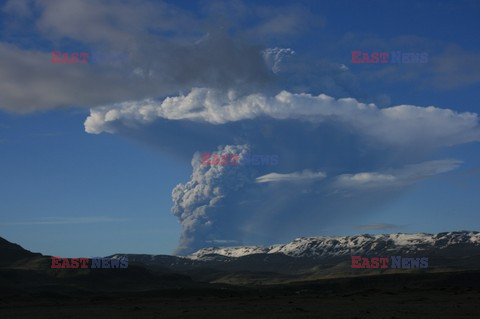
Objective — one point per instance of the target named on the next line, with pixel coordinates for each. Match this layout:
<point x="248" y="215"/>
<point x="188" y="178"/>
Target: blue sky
<point x="90" y="154"/>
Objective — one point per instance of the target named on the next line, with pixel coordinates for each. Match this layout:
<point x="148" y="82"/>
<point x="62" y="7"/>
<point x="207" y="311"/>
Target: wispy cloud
<point x="304" y="176"/>
<point x="409" y="174"/>
<point x="67" y="220"/>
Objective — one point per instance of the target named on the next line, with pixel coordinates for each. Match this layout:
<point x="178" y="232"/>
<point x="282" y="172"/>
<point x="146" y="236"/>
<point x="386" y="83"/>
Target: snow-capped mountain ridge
<point x="318" y="247"/>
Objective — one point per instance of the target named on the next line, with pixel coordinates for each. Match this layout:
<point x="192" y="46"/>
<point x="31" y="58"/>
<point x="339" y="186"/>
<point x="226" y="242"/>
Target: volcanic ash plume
<point x="199" y="203"/>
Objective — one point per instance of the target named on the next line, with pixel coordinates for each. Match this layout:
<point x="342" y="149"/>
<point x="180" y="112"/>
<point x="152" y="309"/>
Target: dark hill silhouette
<point x="11" y="253"/>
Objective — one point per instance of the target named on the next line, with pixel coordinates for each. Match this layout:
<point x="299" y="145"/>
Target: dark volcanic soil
<point x="435" y="296"/>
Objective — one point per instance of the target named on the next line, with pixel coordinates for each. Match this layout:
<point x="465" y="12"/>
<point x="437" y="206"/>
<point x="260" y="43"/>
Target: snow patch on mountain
<point x="340" y="246"/>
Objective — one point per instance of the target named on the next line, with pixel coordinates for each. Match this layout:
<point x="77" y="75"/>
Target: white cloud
<point x="367" y="179"/>
<point x="304" y="176"/>
<point x="409" y="174"/>
<point x="396" y="125"/>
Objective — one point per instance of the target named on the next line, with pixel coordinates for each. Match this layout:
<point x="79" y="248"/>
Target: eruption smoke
<point x="338" y="158"/>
